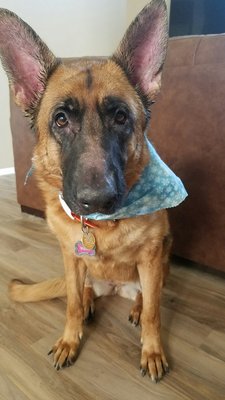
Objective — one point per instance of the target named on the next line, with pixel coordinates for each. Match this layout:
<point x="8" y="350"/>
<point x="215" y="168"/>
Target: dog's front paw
<point x="65" y="352"/>
<point x="154" y="362"/>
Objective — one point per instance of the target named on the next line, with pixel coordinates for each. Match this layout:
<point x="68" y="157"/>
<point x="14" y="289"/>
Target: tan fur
<point x="131" y="250"/>
<point x="46" y="290"/>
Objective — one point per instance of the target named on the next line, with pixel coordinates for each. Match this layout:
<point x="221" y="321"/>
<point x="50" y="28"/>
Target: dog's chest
<point x="116" y="257"/>
<point x="113" y="274"/>
<point x="112" y="270"/>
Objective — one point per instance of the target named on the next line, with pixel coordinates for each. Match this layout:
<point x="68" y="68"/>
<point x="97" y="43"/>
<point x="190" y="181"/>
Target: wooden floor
<point x="193" y="328"/>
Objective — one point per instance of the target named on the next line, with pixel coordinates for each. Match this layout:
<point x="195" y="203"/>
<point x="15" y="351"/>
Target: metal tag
<point x="88" y="240"/>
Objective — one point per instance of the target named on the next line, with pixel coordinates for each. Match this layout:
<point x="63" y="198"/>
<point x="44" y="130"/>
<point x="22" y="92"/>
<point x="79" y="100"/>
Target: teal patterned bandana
<point x="158" y="188"/>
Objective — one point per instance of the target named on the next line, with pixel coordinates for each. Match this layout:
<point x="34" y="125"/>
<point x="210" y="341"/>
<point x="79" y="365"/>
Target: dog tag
<point x="80" y="250"/>
<point x="88" y="240"/>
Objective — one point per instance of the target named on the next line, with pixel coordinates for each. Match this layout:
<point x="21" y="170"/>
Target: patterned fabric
<point x="158" y="188"/>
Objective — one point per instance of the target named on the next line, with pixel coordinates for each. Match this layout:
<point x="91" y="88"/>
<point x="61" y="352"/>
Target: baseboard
<point x="32" y="211"/>
<point x="7" y="171"/>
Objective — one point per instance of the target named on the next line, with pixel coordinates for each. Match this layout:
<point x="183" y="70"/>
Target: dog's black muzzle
<point x="93" y="177"/>
<point x="90" y="192"/>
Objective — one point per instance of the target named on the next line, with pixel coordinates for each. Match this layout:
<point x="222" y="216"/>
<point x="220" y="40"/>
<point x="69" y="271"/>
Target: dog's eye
<point x="61" y="120"/>
<point x="120" y="117"/>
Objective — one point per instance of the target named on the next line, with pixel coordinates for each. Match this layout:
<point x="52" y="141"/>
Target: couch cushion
<point x="188" y="130"/>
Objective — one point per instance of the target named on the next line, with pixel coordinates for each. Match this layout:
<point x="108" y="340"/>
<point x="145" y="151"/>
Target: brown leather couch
<point x="188" y="130"/>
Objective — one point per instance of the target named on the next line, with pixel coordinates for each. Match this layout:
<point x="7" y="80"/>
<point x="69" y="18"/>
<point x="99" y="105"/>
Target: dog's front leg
<point x="150" y="271"/>
<point x="66" y="348"/>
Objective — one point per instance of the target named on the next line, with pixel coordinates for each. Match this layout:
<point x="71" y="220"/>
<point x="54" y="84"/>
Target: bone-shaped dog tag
<point x="80" y="250"/>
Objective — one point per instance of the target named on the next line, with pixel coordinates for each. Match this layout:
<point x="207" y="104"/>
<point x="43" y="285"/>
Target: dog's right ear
<point x="25" y="58"/>
<point x="142" y="50"/>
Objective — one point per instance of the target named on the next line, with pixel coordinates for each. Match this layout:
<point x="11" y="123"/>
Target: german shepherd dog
<point x="90" y="117"/>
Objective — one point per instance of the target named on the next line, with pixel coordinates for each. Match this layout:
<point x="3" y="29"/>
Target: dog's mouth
<point x="97" y="210"/>
<point x="109" y="208"/>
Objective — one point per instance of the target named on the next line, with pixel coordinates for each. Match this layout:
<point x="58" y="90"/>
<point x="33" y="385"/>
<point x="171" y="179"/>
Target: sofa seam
<point x="195" y="52"/>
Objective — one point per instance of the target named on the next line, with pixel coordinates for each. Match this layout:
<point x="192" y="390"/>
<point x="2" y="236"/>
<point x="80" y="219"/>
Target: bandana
<point x="158" y="188"/>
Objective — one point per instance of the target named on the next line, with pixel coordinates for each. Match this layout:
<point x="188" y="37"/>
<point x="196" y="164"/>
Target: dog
<point x="90" y="117"/>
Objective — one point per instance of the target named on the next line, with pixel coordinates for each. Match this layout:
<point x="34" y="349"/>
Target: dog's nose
<point x="91" y="201"/>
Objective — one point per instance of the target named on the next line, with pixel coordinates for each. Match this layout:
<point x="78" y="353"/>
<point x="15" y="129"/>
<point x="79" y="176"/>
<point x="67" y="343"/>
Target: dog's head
<point x="89" y="115"/>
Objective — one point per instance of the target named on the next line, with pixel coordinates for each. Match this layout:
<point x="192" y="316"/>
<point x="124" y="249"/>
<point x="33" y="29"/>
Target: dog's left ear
<point x="142" y="50"/>
<point x="25" y="58"/>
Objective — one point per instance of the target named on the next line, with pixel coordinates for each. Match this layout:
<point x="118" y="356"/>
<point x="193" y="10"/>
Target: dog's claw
<point x="73" y="359"/>
<point x="57" y="367"/>
<point x="143" y="371"/>
<point x="50" y="352"/>
<point x="89" y="318"/>
<point x="133" y="321"/>
<point x="65" y="364"/>
<point x="166" y="369"/>
<point x="69" y="363"/>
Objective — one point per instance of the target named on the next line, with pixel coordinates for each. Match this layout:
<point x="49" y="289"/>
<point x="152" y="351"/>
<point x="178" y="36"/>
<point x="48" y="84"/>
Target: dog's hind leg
<point x="88" y="304"/>
<point x="136" y="310"/>
<point x="24" y="292"/>
<point x="88" y="299"/>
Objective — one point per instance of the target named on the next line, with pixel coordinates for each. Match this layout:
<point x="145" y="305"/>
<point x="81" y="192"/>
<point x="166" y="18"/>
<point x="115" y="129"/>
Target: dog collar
<point x="158" y="188"/>
<point x="71" y="214"/>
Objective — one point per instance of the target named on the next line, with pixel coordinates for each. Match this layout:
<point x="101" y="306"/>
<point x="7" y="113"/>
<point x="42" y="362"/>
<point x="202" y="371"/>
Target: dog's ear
<point x="142" y="50"/>
<point x="25" y="58"/>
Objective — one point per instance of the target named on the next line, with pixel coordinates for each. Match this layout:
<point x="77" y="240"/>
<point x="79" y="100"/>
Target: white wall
<point x="70" y="28"/>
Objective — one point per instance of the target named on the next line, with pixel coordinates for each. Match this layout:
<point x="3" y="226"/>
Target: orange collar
<point x="78" y="218"/>
<point x="72" y="215"/>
